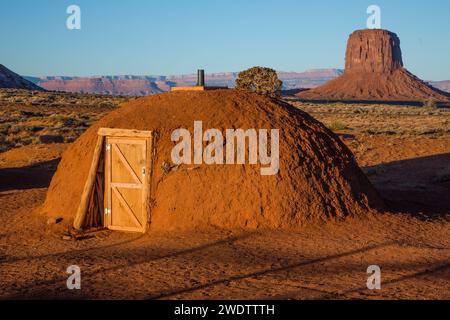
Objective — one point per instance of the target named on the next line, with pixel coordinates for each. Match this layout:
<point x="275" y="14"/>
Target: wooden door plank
<point x="108" y="177"/>
<point x="132" y="141"/>
<point x="126" y="206"/>
<point x="127" y="185"/>
<point x="126" y="163"/>
<point x="110" y="132"/>
<point x="89" y="185"/>
<point x="146" y="194"/>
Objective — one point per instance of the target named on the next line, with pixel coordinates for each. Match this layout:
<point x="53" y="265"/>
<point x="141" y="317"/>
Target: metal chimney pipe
<point x="201" y="77"/>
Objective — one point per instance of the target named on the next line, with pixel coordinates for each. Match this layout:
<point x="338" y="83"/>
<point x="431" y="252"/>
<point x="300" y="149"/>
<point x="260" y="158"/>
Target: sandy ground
<point x="411" y="244"/>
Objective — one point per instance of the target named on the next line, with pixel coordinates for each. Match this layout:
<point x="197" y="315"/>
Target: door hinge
<point x="107" y="211"/>
<point x="108" y="147"/>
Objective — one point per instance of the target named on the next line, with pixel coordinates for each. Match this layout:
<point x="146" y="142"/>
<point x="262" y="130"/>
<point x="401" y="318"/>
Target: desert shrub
<point x="32" y="114"/>
<point x="4" y="128"/>
<point x="261" y="80"/>
<point x="15" y="129"/>
<point x="25" y="141"/>
<point x="430" y="103"/>
<point x="51" y="97"/>
<point x="106" y="104"/>
<point x="5" y="144"/>
<point x="57" y="117"/>
<point x="35" y="101"/>
<point x="336" y="126"/>
<point x="70" y="139"/>
<point x="34" y="128"/>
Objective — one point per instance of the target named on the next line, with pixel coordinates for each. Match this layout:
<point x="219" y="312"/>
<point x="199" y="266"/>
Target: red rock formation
<point x="374" y="71"/>
<point x="103" y="85"/>
<point x="373" y="51"/>
<point x="11" y="80"/>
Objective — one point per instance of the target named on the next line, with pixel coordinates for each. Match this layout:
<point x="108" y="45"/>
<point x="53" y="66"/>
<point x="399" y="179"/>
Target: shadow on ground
<point x="417" y="186"/>
<point x="55" y="287"/>
<point x="36" y="175"/>
<point x="49" y="288"/>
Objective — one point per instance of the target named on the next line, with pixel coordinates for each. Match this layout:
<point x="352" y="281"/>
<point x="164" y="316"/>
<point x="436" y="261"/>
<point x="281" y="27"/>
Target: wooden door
<point x="127" y="169"/>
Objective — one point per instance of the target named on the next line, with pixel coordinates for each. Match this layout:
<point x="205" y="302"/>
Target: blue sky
<point x="179" y="36"/>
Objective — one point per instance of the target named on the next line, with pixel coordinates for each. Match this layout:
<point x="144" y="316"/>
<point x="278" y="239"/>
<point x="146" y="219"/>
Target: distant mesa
<point x="131" y="85"/>
<point x="442" y="85"/>
<point x="11" y="80"/>
<point x="103" y="85"/>
<point x="374" y="72"/>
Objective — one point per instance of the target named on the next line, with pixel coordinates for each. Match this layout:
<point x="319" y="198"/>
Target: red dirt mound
<point x="374" y="72"/>
<point x="318" y="180"/>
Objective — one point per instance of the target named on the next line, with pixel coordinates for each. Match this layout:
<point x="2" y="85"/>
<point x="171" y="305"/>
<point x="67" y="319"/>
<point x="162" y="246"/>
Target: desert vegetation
<point x="32" y="117"/>
<point x="29" y="117"/>
<point x="378" y="119"/>
<point x="261" y="80"/>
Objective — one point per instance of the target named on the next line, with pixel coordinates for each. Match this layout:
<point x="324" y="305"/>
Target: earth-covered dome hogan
<point x="318" y="178"/>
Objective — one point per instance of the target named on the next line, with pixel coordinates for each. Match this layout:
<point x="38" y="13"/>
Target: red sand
<point x="320" y="262"/>
<point x="318" y="181"/>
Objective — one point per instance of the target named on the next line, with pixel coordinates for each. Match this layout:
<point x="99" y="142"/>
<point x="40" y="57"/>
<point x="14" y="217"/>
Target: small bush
<point x="15" y="129"/>
<point x="34" y="128"/>
<point x="106" y="104"/>
<point x="430" y="103"/>
<point x="336" y="126"/>
<point x="4" y="128"/>
<point x="261" y="80"/>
